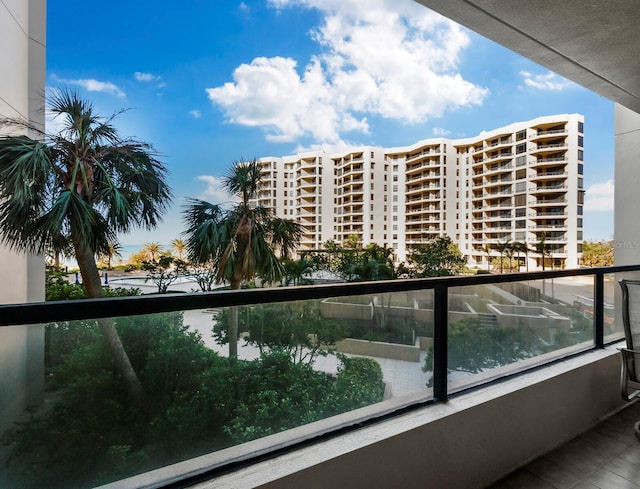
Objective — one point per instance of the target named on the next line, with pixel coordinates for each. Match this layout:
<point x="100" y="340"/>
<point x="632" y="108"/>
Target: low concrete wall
<point x="378" y="349"/>
<point x="343" y="310"/>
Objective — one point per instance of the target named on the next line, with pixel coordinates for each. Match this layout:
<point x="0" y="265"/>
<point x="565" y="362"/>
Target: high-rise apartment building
<point x="517" y="184"/>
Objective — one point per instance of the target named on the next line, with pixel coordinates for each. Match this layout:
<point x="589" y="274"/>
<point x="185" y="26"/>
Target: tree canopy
<point x="439" y="256"/>
<point x="242" y="241"/>
<point x="79" y="188"/>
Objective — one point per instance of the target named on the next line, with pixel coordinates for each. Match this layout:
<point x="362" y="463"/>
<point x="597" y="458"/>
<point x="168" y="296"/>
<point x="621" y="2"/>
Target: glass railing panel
<point x="613" y="327"/>
<point x="297" y="363"/>
<point x="499" y="329"/>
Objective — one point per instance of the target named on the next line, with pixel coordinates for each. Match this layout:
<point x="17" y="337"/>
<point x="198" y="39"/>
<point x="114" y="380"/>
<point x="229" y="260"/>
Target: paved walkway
<point x="403" y="377"/>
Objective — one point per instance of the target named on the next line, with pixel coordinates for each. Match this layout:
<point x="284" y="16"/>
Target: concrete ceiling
<point x="595" y="43"/>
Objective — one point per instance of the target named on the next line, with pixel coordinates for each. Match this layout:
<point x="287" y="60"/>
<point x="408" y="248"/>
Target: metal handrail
<point x="44" y="312"/>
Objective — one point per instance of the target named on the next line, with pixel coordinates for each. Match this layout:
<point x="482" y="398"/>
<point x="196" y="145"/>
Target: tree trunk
<point x="233" y="325"/>
<point x="93" y="287"/>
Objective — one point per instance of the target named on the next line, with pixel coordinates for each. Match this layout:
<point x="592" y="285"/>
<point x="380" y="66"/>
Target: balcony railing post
<point x="598" y="317"/>
<point x="440" y="347"/>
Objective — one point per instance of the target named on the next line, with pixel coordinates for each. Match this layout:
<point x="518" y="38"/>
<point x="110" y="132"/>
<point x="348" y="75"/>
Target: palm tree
<point x="179" y="247"/>
<point x="519" y="247"/>
<point x="503" y="248"/>
<point x="113" y="250"/>
<point x="487" y="249"/>
<point x="81" y="185"/>
<point x="541" y="247"/>
<point x="152" y="250"/>
<point x="241" y="241"/>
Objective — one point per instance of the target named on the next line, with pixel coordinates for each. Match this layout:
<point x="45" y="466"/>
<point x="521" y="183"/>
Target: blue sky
<point x="209" y="82"/>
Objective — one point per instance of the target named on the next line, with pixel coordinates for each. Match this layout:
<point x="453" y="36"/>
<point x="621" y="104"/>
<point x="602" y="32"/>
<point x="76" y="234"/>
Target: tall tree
<point x="438" y="257"/>
<point x="503" y="248"/>
<point x="152" y="250"/>
<point x="84" y="185"/>
<point x="597" y="253"/>
<point x="241" y="242"/>
<point x="487" y="249"/>
<point x="179" y="247"/>
<point x="521" y="247"/>
<point x="113" y="250"/>
<point x="541" y="247"/>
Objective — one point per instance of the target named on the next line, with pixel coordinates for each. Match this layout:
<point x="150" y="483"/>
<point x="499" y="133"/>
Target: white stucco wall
<point x="22" y="37"/>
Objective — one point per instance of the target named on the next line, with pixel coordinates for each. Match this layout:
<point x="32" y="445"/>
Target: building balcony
<point x="429" y="164"/>
<point x="538" y="162"/>
<point x="547" y="133"/>
<point x="549" y="188"/>
<point x="498" y="157"/>
<point x="427" y="152"/>
<point x="545" y="175"/>
<point x="507" y="167"/>
<point x="545" y="202"/>
<point x="575" y="372"/>
<point x="548" y="148"/>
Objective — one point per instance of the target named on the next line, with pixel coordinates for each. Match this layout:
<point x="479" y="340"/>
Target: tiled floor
<point x="607" y="457"/>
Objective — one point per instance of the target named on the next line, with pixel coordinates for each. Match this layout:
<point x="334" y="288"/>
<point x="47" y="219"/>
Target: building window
<point x="521" y="135"/>
<point x="521" y="224"/>
<point x="581" y="155"/>
<point x="395" y="198"/>
<point x="521" y="212"/>
<point x="395" y="178"/>
<point x="520" y="174"/>
<point x="580" y="126"/>
<point x="395" y="208"/>
<point x="521" y="161"/>
<point x="580" y="169"/>
<point x="581" y="141"/>
<point x="521" y="148"/>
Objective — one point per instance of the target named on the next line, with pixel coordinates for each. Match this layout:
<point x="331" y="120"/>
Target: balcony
<point x="543" y="303"/>
<point x="547" y="133"/>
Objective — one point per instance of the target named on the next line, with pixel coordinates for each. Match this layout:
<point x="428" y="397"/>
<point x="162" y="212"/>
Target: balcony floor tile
<point x="606" y="457"/>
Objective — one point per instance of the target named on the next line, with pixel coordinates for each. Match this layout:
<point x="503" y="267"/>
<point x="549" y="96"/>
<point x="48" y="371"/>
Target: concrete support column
<point x="627" y="186"/>
<point x="23" y="37"/>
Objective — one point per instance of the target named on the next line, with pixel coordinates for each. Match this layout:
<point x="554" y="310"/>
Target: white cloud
<point x="214" y="192"/>
<point x="93" y="85"/>
<point x="145" y="77"/>
<point x="547" y="81"/>
<point x="196" y="114"/>
<point x="148" y="78"/>
<point x="440" y="132"/>
<point x="244" y="7"/>
<point x="53" y="123"/>
<point x="599" y="197"/>
<point x="394" y="59"/>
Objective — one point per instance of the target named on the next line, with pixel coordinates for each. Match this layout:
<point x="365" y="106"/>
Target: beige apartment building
<point x="519" y="183"/>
